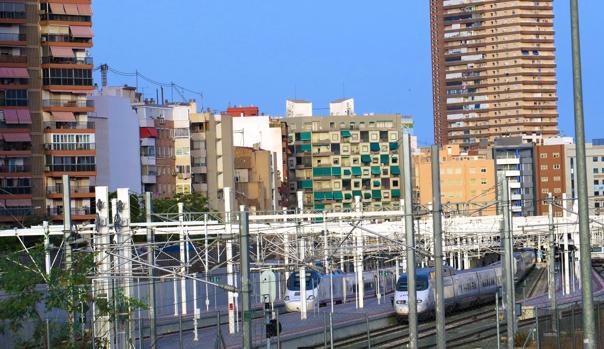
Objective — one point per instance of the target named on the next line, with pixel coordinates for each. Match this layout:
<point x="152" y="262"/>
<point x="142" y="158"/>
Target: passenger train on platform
<point x="318" y="287"/>
<point x="463" y="289"/>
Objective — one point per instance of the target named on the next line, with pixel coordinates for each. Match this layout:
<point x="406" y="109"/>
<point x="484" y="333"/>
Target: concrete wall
<point x="249" y="131"/>
<point x="118" y="158"/>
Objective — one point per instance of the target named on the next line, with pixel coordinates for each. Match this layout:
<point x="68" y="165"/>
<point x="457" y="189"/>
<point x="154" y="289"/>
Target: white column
<point x="286" y="246"/>
<point x="123" y="195"/>
<point x="566" y="266"/>
<point x="102" y="325"/>
<point x="302" y="256"/>
<point x="359" y="258"/>
<point x="229" y="256"/>
<point x="459" y="261"/>
<point x="183" y="259"/>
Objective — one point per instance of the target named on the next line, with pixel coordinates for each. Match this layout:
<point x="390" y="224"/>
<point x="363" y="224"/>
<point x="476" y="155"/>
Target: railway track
<point x="534" y="287"/>
<point x="397" y="335"/>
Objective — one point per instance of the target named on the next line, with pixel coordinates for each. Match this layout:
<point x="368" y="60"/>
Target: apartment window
<point x="544" y="179"/>
<point x="555" y="155"/>
<point x="544" y="191"/>
<point x="596" y="193"/>
<point x="543" y="155"/>
<point x="596" y="171"/>
<point x="483" y="181"/>
<point x="595" y="159"/>
<point x="556" y="178"/>
<point x="483" y="170"/>
<point x="71" y="77"/>
<point x="13" y="98"/>
<point x="557" y="190"/>
<point x="596" y="182"/>
<point x="544" y="167"/>
<point x="556" y="166"/>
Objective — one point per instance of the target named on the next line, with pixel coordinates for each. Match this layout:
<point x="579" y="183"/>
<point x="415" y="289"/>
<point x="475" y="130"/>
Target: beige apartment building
<point x="493" y="71"/>
<point x="467" y="181"/>
<point x="253" y="178"/>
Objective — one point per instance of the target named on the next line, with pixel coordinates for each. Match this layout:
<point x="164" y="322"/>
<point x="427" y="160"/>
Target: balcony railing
<point x="67" y="104"/>
<point x="15" y="168"/>
<point x="12" y="37"/>
<point x="15" y="190"/>
<point x="64" y="38"/>
<point x="68" y="18"/>
<point x="70" y="146"/>
<point x="67" y="60"/>
<point x="69" y="125"/>
<point x="71" y="168"/>
<point x="58" y="189"/>
<point x="58" y="211"/>
<point x="16" y="211"/>
<point x="13" y="59"/>
<point x="12" y="14"/>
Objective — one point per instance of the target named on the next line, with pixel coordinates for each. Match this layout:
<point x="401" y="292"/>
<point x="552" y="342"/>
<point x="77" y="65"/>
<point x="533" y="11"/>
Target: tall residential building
<point x="516" y="160"/>
<point x="595" y="174"/>
<point x="45" y="75"/>
<point x="493" y="71"/>
<point x="551" y="173"/>
<point x="335" y="158"/>
<point x="166" y="147"/>
<point x="467" y="181"/>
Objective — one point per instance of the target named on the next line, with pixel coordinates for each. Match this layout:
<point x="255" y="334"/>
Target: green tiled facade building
<point x="335" y="158"/>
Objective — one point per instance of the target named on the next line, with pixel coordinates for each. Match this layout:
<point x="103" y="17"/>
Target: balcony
<point x="12" y="37"/>
<point x="16" y="211"/>
<point x="58" y="211"/>
<point x="148" y="179"/>
<point x="64" y="18"/>
<point x="47" y="103"/>
<point x="70" y="146"/>
<point x="15" y="168"/>
<point x="55" y="125"/>
<point x="66" y="60"/>
<point x="12" y="14"/>
<point x="65" y="38"/>
<point x="13" y="59"/>
<point x="71" y="168"/>
<point x="15" y="190"/>
<point x="58" y="189"/>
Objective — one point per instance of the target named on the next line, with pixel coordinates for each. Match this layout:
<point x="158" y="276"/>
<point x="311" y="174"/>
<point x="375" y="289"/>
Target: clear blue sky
<point x="263" y="51"/>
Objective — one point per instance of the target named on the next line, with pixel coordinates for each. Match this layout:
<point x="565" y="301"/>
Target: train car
<point x="319" y="285"/>
<point x="462" y="289"/>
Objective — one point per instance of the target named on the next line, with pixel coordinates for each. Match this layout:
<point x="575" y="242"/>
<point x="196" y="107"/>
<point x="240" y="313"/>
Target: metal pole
<point x="331" y="330"/>
<point x="438" y="249"/>
<point x="497" y="320"/>
<point x="207" y="261"/>
<point x="67" y="244"/>
<point x="245" y="278"/>
<point x="589" y="327"/>
<point x="508" y="257"/>
<point x="151" y="261"/>
<point x="551" y="261"/>
<point x="409" y="240"/>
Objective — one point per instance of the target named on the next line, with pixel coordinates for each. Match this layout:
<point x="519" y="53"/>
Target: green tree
<point x="193" y="202"/>
<point x="28" y="289"/>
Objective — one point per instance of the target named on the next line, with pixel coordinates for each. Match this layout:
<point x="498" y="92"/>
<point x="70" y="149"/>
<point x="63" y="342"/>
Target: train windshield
<point x="312" y="281"/>
<point x="421" y="283"/>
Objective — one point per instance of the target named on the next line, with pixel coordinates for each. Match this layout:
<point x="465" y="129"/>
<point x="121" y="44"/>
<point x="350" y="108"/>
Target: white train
<point x="462" y="289"/>
<point x="344" y="287"/>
